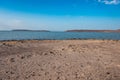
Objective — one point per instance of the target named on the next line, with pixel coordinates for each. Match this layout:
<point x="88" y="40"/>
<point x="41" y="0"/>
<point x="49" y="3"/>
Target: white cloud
<point x="109" y="2"/>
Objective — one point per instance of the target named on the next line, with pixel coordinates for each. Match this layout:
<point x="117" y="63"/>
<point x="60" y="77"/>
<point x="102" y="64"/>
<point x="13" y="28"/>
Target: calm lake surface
<point x="25" y="35"/>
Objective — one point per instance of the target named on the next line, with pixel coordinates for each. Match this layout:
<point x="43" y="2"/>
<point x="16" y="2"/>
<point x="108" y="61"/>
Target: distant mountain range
<point x="93" y="30"/>
<point x="118" y="30"/>
<point x="31" y="30"/>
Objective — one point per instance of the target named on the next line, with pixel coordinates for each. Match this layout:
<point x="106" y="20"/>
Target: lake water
<point x="25" y="35"/>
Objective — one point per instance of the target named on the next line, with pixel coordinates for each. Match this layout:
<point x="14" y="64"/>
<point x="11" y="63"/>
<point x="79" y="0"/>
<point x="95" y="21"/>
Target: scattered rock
<point x="12" y="60"/>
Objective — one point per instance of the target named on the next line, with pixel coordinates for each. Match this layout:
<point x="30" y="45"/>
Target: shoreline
<point x="58" y="40"/>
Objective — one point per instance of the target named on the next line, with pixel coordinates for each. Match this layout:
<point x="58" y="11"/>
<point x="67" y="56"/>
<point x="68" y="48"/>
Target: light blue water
<point x="25" y="35"/>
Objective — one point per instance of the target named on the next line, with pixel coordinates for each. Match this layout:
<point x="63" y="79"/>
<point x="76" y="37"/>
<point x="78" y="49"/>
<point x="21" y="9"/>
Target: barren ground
<point x="60" y="60"/>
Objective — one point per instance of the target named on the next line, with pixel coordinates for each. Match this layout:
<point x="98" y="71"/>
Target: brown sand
<point x="60" y="60"/>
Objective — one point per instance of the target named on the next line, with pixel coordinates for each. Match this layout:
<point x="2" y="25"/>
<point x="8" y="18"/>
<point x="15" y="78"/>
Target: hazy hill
<point x="31" y="30"/>
<point x="93" y="30"/>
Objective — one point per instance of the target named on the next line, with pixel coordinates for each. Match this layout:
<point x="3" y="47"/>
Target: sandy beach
<point x="60" y="60"/>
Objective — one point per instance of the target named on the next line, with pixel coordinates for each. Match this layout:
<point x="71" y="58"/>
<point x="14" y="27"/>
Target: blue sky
<point x="59" y="15"/>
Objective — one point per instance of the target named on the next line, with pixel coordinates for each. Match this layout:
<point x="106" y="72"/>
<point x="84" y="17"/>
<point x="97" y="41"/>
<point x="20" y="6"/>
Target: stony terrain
<point x="60" y="60"/>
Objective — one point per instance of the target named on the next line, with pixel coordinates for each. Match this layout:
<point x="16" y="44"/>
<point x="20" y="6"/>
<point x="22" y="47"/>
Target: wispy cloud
<point x="6" y="23"/>
<point x="110" y="2"/>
